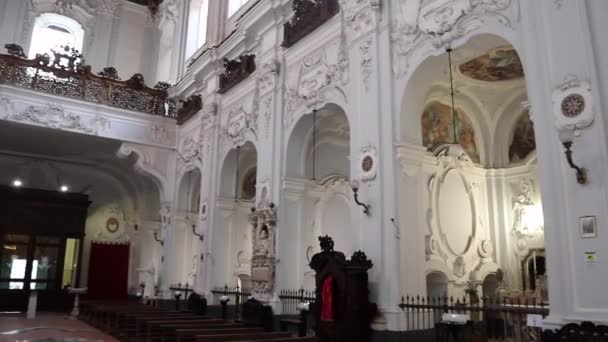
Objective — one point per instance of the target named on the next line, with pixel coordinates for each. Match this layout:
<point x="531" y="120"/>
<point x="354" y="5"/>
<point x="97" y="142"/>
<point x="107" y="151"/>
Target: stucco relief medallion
<point x="112" y="225"/>
<point x="460" y="268"/>
<point x="573" y="104"/>
<point x="368" y="163"/>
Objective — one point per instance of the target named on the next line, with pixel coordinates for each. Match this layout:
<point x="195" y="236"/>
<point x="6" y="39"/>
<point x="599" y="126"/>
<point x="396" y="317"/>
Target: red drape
<point x="108" y="271"/>
<point x="327" y="300"/>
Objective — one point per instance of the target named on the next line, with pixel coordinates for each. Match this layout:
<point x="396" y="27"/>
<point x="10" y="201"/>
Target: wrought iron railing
<point x="489" y="319"/>
<point x="290" y="299"/>
<point x="64" y="74"/>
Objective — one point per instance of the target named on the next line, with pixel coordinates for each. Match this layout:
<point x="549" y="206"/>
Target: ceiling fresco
<point x="498" y="64"/>
<point x="524" y="141"/>
<point x="437" y="129"/>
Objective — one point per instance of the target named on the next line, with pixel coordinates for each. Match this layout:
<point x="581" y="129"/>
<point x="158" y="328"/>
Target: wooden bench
<point x="183" y="335"/>
<point x="167" y="328"/>
<point x="288" y="339"/>
<point x="240" y="337"/>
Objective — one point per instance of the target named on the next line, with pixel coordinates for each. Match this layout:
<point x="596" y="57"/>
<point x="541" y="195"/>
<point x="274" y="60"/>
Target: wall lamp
<point x="200" y="236"/>
<point x="162" y="242"/>
<point x="355" y="185"/>
<point x="581" y="173"/>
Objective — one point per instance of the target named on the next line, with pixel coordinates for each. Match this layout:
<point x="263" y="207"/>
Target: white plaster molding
<point x="53" y="116"/>
<point x="366" y="62"/>
<point x="359" y="16"/>
<point x="61" y="113"/>
<point x="149" y="163"/>
<point x="410" y="157"/>
<point x="573" y="104"/>
<point x="368" y="163"/>
<point x="316" y="73"/>
<point x="440" y="23"/>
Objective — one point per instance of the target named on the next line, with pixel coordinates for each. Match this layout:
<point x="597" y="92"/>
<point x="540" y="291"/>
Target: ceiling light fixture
<point x="17" y="183"/>
<point x="445" y="146"/>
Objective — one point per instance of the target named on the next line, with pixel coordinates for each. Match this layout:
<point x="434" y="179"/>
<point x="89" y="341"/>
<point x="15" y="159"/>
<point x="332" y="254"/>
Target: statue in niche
<point x="524" y="211"/>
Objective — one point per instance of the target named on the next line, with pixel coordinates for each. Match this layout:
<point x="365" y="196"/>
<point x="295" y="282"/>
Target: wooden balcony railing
<point x="235" y="71"/>
<point x="64" y="74"/>
<point x="308" y="16"/>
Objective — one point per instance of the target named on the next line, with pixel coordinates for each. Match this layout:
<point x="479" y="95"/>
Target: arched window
<point x="197" y="26"/>
<point x="53" y="30"/>
<point x="234" y="5"/>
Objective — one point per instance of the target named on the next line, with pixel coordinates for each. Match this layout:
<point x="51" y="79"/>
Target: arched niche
<point x="436" y="285"/>
<point x="331" y="140"/>
<point x="238" y="181"/>
<point x="434" y="69"/>
<point x="189" y="190"/>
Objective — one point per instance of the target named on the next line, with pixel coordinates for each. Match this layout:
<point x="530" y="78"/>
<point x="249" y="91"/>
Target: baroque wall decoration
<point x="359" y="16"/>
<point x="263" y="263"/>
<point x="325" y="68"/>
<point x="523" y="142"/>
<point x="573" y="104"/>
<point x="368" y="163"/>
<point x="439" y="23"/>
<point x="437" y="129"/>
<point x="499" y="64"/>
<point x="52" y="116"/>
<point x="366" y="63"/>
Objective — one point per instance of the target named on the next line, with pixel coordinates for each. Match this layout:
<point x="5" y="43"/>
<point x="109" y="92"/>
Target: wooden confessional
<point x="41" y="236"/>
<point x="342" y="311"/>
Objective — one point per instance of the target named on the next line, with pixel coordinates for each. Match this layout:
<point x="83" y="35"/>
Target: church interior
<point x="303" y="170"/>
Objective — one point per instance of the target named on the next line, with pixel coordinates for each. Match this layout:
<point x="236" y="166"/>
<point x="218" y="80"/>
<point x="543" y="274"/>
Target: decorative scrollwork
<point x="110" y="72"/>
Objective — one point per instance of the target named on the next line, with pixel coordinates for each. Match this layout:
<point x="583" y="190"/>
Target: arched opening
<point x="317" y="194"/>
<point x="53" y="30"/>
<point x="232" y="240"/>
<point x="184" y="263"/>
<point x="481" y="200"/>
<point x="436" y="285"/>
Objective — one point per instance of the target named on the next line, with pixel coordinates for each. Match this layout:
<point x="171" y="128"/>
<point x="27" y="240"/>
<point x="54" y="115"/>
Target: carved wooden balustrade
<point x="65" y="74"/>
<point x="189" y="108"/>
<point x="235" y="71"/>
<point x="308" y="16"/>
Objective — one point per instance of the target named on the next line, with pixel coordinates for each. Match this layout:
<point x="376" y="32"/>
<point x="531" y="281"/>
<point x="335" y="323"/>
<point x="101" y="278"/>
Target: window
<point x="234" y="5"/>
<point x="197" y="26"/>
<point x="53" y="30"/>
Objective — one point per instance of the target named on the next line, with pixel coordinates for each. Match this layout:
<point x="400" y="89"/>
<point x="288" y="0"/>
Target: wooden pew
<point x="240" y="337"/>
<point x="160" y="328"/>
<point x="143" y="323"/>
<point x="287" y="339"/>
<point x="130" y="322"/>
<point x="184" y="335"/>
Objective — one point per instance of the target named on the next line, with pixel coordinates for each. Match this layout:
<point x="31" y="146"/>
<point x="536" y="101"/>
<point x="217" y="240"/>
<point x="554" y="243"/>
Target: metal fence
<point x="489" y="319"/>
<point x="235" y="294"/>
<point x="291" y="298"/>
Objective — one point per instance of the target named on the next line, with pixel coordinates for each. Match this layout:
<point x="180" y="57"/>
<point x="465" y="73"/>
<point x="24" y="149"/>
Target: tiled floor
<point x="47" y="328"/>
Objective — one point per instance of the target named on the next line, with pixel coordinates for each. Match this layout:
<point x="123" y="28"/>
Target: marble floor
<point x="48" y="328"/>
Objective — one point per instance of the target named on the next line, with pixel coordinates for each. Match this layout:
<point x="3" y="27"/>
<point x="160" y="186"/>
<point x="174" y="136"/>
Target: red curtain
<point x="327" y="300"/>
<point x="108" y="271"/>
